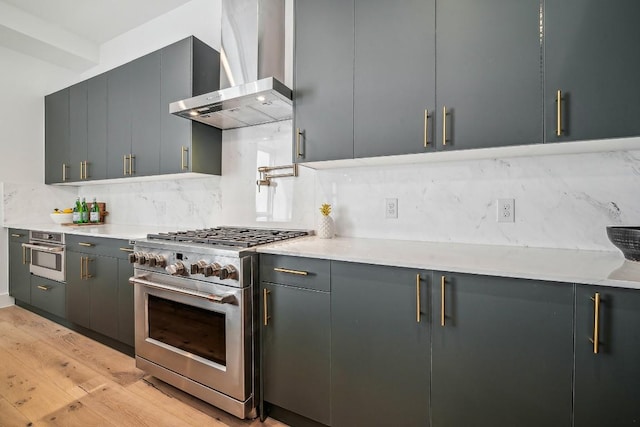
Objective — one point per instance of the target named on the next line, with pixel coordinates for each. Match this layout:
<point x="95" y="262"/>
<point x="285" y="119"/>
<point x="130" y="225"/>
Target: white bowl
<point x="62" y="218"/>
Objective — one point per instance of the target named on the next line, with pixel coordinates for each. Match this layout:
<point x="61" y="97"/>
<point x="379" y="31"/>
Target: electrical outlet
<point x="506" y="211"/>
<point x="391" y="208"/>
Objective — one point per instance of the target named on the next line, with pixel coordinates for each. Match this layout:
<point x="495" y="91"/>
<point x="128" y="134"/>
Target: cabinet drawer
<point x="307" y="273"/>
<point x="48" y="295"/>
<point x="116" y="248"/>
<point x="18" y="235"/>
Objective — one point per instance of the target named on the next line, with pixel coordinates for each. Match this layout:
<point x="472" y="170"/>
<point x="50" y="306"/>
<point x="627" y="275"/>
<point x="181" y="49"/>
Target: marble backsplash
<point x="561" y="201"/>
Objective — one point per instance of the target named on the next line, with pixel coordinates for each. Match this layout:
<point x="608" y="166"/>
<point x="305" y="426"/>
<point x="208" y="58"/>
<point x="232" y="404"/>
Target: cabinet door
<point x="48" y="295"/>
<point x="323" y="79"/>
<point x="19" y="275"/>
<point x="118" y="120"/>
<point x="103" y="285"/>
<point x="394" y="77"/>
<point x="488" y="73"/>
<point x="296" y="342"/>
<point x="125" y="303"/>
<point x="56" y="131"/>
<point x="606" y="382"/>
<point x="379" y="346"/>
<point x="504" y="355"/>
<point x="77" y="130"/>
<point x="78" y="292"/>
<point x="145" y="114"/>
<point x="97" y="127"/>
<point x="588" y="56"/>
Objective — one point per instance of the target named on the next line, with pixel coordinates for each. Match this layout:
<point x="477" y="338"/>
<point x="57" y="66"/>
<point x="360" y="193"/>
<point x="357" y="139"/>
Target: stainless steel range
<point x="194" y="311"/>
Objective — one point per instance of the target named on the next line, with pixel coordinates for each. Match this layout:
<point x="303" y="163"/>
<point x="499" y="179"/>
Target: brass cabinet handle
<point x="81" y="268"/>
<point x="444" y="125"/>
<point x="131" y="164"/>
<point x="183" y="164"/>
<point x="126" y="249"/>
<point x="426" y="128"/>
<point x="86" y="245"/>
<point x="418" y="298"/>
<point x="81" y="170"/>
<point x="64" y="172"/>
<point x="124" y="165"/>
<point x="24" y="255"/>
<point x="84" y="174"/>
<point x="286" y="270"/>
<point x="299" y="153"/>
<point x="44" y="288"/>
<point x="265" y="292"/>
<point x="16" y="235"/>
<point x="596" y="322"/>
<point x="559" y="130"/>
<point x="442" y="282"/>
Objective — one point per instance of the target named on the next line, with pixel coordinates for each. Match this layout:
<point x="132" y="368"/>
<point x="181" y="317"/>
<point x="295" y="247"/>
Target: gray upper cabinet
<point x="606" y="376"/>
<point x="394" y="84"/>
<point x="78" y="153"/>
<point x="489" y="75"/>
<point x="380" y="359"/>
<point x="96" y="166"/>
<point x="590" y="59"/>
<point x="188" y="68"/>
<point x="56" y="127"/>
<point x="119" y="121"/>
<point x="323" y="80"/>
<point x="502" y="352"/>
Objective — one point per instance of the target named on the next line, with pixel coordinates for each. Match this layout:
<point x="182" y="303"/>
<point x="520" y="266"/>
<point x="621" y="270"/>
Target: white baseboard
<point x="6" y="300"/>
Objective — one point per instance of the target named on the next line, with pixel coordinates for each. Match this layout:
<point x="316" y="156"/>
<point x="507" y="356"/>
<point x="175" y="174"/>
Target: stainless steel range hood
<point x="251" y="69"/>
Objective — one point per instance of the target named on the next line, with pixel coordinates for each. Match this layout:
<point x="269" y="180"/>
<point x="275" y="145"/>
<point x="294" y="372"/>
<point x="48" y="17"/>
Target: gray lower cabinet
<point x="186" y="145"/>
<point x="606" y="376"/>
<point x="587" y="58"/>
<point x="488" y="74"/>
<point x="48" y="295"/>
<point x="502" y="352"/>
<point x="19" y="275"/>
<point x="295" y="338"/>
<point x="394" y="84"/>
<point x="56" y="128"/>
<point x="380" y="335"/>
<point x="323" y="80"/>
<point x="99" y="296"/>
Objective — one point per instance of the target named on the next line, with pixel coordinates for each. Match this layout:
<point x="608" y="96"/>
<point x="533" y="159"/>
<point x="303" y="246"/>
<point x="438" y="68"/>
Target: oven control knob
<point x="143" y="258"/>
<point x="151" y="260"/>
<point x="133" y="258"/>
<point x="175" y="269"/>
<point x="198" y="267"/>
<point x="212" y="270"/>
<point x="228" y="272"/>
<point x="159" y="261"/>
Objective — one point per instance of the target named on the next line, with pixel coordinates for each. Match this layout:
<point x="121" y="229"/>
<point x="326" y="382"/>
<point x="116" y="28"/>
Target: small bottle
<point x="84" y="212"/>
<point x="76" y="211"/>
<point x="94" y="215"/>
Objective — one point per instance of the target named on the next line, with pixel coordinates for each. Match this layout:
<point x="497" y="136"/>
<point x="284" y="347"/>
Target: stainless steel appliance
<point x="47" y="255"/>
<point x="194" y="311"/>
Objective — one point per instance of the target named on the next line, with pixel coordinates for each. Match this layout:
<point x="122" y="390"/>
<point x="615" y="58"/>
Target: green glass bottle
<point x="84" y="212"/>
<point x="94" y="215"/>
<point x="76" y="211"/>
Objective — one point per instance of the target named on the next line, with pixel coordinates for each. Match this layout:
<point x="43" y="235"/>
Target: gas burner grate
<point x="229" y="236"/>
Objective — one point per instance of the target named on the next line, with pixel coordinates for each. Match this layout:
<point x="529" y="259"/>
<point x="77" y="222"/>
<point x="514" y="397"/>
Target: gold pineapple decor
<point x="325" y="226"/>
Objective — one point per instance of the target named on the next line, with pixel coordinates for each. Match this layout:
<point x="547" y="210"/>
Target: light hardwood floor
<point x="52" y="376"/>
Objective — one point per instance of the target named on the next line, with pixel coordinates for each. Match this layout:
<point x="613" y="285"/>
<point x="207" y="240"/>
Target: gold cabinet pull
<point x="124" y="165"/>
<point x="444" y="126"/>
<point x="442" y="280"/>
<point x="84" y="170"/>
<point x="64" y="172"/>
<point x="16" y="235"/>
<point x="559" y="130"/>
<point x="24" y="255"/>
<point x="126" y="249"/>
<point x="265" y="292"/>
<point x="286" y="270"/>
<point x="426" y="128"/>
<point x="131" y="164"/>
<point x="81" y="170"/>
<point x="81" y="268"/>
<point x="418" y="298"/>
<point x="86" y="245"/>
<point x="183" y="163"/>
<point x="299" y="153"/>
<point x="596" y="322"/>
<point x="44" y="288"/>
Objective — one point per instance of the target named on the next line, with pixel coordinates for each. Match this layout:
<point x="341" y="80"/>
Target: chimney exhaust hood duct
<point x="251" y="70"/>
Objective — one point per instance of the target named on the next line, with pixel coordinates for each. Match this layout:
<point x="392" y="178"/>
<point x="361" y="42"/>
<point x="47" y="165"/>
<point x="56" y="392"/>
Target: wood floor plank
<point x="75" y="414"/>
<point x="10" y="416"/>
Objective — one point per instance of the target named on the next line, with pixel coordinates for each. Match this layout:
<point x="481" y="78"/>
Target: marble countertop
<point x="113" y="231"/>
<point x="605" y="268"/>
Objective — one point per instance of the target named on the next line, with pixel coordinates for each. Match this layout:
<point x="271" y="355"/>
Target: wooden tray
<point x="84" y="224"/>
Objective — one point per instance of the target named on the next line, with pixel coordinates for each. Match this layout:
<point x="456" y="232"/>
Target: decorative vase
<point x="325" y="227"/>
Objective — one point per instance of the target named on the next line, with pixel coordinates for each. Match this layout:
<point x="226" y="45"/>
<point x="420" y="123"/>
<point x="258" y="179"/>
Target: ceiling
<point x="69" y="32"/>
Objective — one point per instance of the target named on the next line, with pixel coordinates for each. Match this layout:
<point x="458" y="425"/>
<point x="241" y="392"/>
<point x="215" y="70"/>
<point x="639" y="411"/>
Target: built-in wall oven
<point x="47" y="255"/>
<point x="194" y="312"/>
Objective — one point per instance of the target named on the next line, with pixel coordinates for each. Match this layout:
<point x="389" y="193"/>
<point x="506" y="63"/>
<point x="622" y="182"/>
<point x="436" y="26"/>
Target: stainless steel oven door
<point x="202" y="333"/>
<point x="47" y="261"/>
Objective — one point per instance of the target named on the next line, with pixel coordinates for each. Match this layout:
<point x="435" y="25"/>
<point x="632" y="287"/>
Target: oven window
<point x="46" y="259"/>
<point x="192" y="329"/>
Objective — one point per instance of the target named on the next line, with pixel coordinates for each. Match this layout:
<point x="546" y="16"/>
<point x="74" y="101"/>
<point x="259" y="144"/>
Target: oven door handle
<point x="43" y="248"/>
<point x="220" y="299"/>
